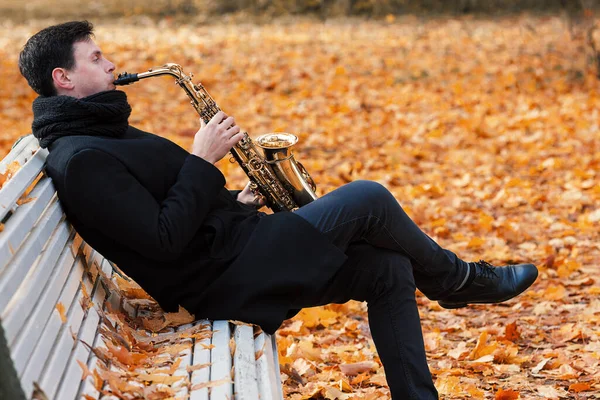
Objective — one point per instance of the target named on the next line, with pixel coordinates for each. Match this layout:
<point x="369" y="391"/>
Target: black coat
<point x="165" y="218"/>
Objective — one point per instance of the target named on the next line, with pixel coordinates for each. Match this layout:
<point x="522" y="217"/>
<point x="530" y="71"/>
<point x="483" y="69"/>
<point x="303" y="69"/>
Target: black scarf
<point x="101" y="114"/>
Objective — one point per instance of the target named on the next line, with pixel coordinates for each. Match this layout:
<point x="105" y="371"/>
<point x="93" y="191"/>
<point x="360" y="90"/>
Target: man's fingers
<point x="217" y="118"/>
<point x="236" y="138"/>
<point x="228" y="122"/>
<point x="259" y="200"/>
<point x="233" y="130"/>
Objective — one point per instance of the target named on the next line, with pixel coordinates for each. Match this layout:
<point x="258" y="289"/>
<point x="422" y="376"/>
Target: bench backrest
<point x="44" y="279"/>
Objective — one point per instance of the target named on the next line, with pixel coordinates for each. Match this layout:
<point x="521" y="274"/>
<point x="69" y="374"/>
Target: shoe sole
<point x="453" y="306"/>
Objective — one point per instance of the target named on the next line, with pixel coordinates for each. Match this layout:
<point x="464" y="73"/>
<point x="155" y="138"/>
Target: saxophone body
<point x="273" y="172"/>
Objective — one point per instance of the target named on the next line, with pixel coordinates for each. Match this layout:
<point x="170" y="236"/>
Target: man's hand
<point x="247" y="197"/>
<point x="215" y="139"/>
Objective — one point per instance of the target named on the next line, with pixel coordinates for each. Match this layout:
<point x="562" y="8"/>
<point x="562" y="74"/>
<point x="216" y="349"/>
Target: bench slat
<point x="21" y="151"/>
<point x="45" y="324"/>
<point x="19" y="309"/>
<point x="61" y="350"/>
<point x="18" y="231"/>
<point x="88" y="386"/>
<point x="15" y="187"/>
<point x="186" y="360"/>
<point x="220" y="357"/>
<point x="71" y="380"/>
<point x="266" y="371"/>
<point x="244" y="361"/>
<point x="18" y="224"/>
<point x="36" y="324"/>
<point x="202" y="375"/>
<point x="275" y="371"/>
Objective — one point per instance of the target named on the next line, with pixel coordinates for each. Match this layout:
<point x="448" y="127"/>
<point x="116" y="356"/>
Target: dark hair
<point x="51" y="48"/>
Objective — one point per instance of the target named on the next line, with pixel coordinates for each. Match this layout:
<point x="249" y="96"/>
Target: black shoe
<point x="493" y="284"/>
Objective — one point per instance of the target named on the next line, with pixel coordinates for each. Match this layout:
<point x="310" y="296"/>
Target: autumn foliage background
<point x="486" y="130"/>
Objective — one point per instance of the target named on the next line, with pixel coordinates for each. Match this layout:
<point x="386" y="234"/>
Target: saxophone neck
<point x="204" y="104"/>
<point x="174" y="70"/>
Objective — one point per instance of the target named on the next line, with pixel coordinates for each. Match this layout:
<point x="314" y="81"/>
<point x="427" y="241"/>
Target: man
<point x="164" y="216"/>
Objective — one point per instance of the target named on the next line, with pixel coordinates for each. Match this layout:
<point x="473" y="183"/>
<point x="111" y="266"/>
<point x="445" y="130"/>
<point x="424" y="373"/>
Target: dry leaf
<point x="358" y="368"/>
<point x="579" y="387"/>
<point x="61" y="311"/>
<point x="210" y="384"/>
<point x="506" y="395"/>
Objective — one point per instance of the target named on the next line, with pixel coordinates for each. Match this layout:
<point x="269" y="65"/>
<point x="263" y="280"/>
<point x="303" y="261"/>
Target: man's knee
<point x="370" y="191"/>
<point x="370" y="186"/>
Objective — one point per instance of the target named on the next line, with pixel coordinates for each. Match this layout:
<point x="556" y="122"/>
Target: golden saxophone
<point x="275" y="175"/>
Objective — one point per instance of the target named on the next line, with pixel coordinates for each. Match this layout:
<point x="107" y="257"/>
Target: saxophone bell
<point x="276" y="145"/>
<point x="277" y="151"/>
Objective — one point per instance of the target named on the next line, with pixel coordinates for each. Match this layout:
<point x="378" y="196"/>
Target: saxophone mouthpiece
<point x="126" y="79"/>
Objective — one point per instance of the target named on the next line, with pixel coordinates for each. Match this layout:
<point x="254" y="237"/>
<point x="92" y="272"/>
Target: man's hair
<point x="51" y="48"/>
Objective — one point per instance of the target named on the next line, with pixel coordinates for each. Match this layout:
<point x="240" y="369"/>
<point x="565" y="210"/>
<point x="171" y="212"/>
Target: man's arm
<point x="102" y="194"/>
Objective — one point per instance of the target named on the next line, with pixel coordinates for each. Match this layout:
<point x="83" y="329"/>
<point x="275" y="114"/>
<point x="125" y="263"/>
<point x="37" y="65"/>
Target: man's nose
<point x="111" y="66"/>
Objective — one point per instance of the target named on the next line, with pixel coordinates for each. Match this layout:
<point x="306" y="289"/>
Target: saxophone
<point x="273" y="172"/>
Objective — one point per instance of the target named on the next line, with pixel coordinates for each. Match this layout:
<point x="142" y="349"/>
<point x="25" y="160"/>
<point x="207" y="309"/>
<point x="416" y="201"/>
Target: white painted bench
<point x="46" y="268"/>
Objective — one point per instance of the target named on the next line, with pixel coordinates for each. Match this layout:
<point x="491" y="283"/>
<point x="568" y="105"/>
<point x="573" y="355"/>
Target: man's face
<point x="92" y="72"/>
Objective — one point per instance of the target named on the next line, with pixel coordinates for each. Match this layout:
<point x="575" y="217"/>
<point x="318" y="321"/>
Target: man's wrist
<point x="206" y="158"/>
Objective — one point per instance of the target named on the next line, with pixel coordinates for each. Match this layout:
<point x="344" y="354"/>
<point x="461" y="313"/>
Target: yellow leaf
<point x="61" y="311"/>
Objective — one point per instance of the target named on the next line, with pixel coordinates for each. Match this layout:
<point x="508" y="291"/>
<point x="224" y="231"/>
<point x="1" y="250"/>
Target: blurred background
<point x="15" y="9"/>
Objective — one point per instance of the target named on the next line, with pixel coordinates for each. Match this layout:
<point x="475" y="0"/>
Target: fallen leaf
<point x="360" y="367"/>
<point x="61" y="311"/>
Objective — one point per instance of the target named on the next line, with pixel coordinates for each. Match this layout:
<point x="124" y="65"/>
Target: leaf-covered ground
<point x="487" y="132"/>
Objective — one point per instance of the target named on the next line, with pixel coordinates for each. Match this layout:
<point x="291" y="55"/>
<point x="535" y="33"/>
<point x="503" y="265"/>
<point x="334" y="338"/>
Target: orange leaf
<point x="506" y="395"/>
<point x="475" y="243"/>
<point x="124" y="356"/>
<point x="360" y="378"/>
<point x="61" y="311"/>
<point x="84" y="368"/>
<point x="580" y="387"/>
<point x="511" y="332"/>
<point x="98" y="381"/>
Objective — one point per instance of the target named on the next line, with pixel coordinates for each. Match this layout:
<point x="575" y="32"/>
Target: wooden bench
<point x="56" y="304"/>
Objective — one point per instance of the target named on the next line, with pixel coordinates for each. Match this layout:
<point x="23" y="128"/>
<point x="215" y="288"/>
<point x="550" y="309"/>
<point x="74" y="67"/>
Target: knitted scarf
<point x="101" y="114"/>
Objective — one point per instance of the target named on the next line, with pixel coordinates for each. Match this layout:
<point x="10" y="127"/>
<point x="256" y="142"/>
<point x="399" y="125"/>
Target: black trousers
<point x="388" y="256"/>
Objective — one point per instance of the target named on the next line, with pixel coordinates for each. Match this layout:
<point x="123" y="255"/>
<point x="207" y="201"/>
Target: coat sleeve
<point x="234" y="193"/>
<point x="102" y="194"/>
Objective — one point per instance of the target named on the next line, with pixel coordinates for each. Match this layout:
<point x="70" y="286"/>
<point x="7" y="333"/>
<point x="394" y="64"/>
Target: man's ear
<point x="61" y="79"/>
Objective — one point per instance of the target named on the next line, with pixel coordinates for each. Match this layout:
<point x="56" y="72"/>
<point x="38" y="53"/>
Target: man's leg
<point x="365" y="210"/>
<point x="383" y="278"/>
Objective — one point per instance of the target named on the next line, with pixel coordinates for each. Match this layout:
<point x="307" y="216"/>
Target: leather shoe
<point x="492" y="284"/>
